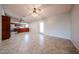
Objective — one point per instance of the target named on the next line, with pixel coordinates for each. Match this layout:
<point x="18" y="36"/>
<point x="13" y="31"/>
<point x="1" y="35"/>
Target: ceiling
<point x="24" y="11"/>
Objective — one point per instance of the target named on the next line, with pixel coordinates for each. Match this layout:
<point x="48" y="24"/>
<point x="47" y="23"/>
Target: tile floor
<point x="34" y="43"/>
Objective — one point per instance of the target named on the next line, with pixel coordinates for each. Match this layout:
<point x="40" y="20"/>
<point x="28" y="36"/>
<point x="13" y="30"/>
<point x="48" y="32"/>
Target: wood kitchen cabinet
<point x="5" y="27"/>
<point x="19" y="30"/>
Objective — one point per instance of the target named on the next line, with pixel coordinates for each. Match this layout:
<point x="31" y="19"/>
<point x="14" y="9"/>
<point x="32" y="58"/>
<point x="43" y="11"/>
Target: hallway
<point x="36" y="43"/>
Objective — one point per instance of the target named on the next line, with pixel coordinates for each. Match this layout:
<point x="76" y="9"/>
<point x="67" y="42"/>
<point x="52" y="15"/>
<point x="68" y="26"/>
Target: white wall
<point x="0" y="23"/>
<point x="1" y="13"/>
<point x="58" y="26"/>
<point x="34" y="27"/>
<point x="75" y="25"/>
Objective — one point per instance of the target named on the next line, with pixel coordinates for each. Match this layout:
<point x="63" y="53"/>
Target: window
<point x="41" y="27"/>
<point x="26" y="25"/>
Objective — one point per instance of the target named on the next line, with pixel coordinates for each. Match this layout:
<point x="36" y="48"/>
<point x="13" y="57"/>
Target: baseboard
<point x="75" y="44"/>
<point x="56" y="36"/>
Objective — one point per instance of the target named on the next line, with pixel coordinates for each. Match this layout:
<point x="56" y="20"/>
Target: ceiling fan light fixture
<point x="36" y="12"/>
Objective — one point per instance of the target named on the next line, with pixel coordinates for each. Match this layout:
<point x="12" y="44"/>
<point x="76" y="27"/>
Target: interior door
<point x="5" y="27"/>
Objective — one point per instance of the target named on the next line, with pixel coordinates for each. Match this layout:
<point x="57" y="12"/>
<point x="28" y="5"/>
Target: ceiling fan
<point x="33" y="11"/>
<point x="36" y="12"/>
